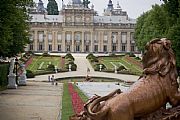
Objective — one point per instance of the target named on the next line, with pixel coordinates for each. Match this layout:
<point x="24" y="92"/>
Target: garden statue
<point x="12" y="77"/>
<point x="11" y="68"/>
<point x="22" y="76"/>
<point x="157" y="86"/>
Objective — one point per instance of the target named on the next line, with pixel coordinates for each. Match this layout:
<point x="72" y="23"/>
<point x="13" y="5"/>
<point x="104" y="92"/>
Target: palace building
<point x="78" y="29"/>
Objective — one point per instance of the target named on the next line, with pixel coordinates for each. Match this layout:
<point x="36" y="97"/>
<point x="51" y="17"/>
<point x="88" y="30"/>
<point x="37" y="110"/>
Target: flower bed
<point x="29" y="62"/>
<point x="133" y="61"/>
<point x="77" y="102"/>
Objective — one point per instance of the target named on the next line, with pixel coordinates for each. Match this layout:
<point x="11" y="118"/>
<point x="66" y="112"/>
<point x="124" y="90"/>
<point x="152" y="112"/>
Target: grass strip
<point x="81" y="94"/>
<point x="66" y="103"/>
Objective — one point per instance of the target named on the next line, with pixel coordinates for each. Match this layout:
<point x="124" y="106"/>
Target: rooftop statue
<point x="157" y="86"/>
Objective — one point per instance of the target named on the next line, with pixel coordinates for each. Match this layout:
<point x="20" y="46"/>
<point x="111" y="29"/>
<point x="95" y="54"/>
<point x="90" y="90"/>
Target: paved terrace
<point x="36" y="101"/>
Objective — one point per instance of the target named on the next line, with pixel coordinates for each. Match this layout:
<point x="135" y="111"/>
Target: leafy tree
<point x="160" y="21"/>
<point x="52" y="7"/>
<point x="14" y="26"/>
<point x="151" y="24"/>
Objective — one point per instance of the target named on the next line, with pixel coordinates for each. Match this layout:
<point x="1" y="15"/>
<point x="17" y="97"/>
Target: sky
<point x="134" y="8"/>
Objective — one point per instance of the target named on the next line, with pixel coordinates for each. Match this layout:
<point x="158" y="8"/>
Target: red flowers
<point x="28" y="62"/>
<point x="77" y="102"/>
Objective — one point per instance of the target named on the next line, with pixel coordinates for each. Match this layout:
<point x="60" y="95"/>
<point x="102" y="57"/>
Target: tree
<point x="14" y="26"/>
<point x="151" y="24"/>
<point x="160" y="21"/>
<point x="52" y="7"/>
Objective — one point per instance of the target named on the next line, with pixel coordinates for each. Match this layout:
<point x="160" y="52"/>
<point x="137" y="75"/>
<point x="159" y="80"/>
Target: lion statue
<point x="157" y="86"/>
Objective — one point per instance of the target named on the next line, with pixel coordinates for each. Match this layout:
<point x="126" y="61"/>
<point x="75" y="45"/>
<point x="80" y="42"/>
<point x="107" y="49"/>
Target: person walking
<point x="49" y="78"/>
<point x="52" y="79"/>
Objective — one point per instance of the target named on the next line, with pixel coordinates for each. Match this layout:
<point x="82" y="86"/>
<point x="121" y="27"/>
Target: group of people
<point x="52" y="80"/>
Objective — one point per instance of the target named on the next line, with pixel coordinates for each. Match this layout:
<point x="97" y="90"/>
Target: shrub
<point x="89" y="56"/>
<point x="69" y="56"/>
<point x="29" y="74"/>
<point x="4" y="69"/>
<point x="51" y="67"/>
<point x="120" y="68"/>
<point x="131" y="55"/>
<point x="73" y="67"/>
<point x="137" y="58"/>
<point x="97" y="67"/>
<point x="112" y="54"/>
<point x="45" y="54"/>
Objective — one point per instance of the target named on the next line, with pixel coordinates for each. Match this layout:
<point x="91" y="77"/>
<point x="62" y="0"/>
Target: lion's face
<point x="156" y="50"/>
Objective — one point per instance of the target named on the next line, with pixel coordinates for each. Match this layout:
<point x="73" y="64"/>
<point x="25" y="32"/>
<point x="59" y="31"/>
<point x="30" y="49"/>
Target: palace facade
<point x="79" y="29"/>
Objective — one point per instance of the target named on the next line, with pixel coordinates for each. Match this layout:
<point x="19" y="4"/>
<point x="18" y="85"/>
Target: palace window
<point x="68" y="37"/>
<point x="123" y="37"/>
<point x="132" y="37"/>
<point x="87" y="48"/>
<point x="68" y="48"/>
<point x="114" y="48"/>
<point x="59" y="37"/>
<point x="50" y="37"/>
<point x="77" y="36"/>
<point x="114" y="37"/>
<point x="105" y="36"/>
<point x="41" y="37"/>
<point x="96" y="37"/>
<point x="59" y="47"/>
<point x="40" y="46"/>
<point x="123" y="47"/>
<point x="31" y="46"/>
<point x="96" y="48"/>
<point x="105" y="48"/>
<point x="77" y="48"/>
<point x="132" y="48"/>
<point x="50" y="47"/>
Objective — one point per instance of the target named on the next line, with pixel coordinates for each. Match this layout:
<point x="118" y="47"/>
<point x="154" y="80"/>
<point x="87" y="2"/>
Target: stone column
<point x="128" y="42"/>
<point x="92" y="42"/>
<point x="82" y="42"/>
<point x="55" y="41"/>
<point x="119" y="42"/>
<point x="110" y="42"/>
<point x="99" y="41"/>
<point x="72" y="41"/>
<point x="63" y="41"/>
<point x="46" y="41"/>
<point x="35" y="40"/>
<point x="102" y="42"/>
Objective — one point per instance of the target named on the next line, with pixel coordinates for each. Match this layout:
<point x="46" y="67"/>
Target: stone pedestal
<point x="12" y="81"/>
<point x="22" y="79"/>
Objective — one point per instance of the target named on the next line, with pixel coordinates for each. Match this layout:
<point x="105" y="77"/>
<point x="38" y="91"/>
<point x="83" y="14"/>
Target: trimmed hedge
<point x="4" y="70"/>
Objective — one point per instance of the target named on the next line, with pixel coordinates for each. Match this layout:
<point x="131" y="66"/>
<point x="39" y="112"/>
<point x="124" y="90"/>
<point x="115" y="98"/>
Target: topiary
<point x="51" y="67"/>
<point x="120" y="68"/>
<point x="29" y="74"/>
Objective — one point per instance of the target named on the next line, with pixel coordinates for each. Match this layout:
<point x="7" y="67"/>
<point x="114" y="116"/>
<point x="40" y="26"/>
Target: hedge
<point x="4" y="70"/>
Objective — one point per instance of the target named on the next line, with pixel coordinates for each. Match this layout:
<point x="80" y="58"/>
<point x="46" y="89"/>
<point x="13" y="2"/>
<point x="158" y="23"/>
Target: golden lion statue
<point x="157" y="86"/>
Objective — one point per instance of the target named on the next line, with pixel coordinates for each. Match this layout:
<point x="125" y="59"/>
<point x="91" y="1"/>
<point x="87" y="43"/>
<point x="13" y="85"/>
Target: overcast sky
<point x="134" y="8"/>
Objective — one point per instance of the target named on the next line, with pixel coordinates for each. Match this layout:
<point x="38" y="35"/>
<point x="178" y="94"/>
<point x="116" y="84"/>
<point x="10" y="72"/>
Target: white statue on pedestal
<point x="22" y="78"/>
<point x="12" y="77"/>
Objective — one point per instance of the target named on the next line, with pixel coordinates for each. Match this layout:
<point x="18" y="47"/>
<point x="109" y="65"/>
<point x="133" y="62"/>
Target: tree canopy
<point x="14" y="26"/>
<point x="52" y="7"/>
<point x="161" y="21"/>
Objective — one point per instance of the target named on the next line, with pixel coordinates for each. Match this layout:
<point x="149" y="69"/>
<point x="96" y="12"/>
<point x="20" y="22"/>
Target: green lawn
<point x="40" y="63"/>
<point x="111" y="62"/>
<point x="67" y="109"/>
